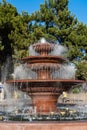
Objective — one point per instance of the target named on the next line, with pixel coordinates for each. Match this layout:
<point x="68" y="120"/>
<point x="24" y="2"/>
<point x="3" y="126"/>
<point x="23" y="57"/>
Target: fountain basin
<point x="44" y="93"/>
<point x="77" y="125"/>
<point x="45" y="59"/>
<point x="67" y="81"/>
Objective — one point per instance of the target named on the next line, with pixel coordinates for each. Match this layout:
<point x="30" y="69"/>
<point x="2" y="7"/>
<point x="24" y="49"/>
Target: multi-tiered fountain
<point x="45" y="86"/>
<point x="44" y="76"/>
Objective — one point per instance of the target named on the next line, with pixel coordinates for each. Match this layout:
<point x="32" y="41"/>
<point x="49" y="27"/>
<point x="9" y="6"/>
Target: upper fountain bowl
<point x="43" y="47"/>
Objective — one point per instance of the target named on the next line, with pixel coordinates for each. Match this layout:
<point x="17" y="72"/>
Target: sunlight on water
<point x="43" y="40"/>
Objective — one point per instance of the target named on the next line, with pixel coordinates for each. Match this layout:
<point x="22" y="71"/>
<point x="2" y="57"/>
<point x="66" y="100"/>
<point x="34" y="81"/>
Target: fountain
<point x="45" y="88"/>
<point x="47" y="79"/>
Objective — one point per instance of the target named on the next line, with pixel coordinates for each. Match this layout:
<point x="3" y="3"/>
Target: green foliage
<point x="14" y="34"/>
<point x="53" y="21"/>
<point x="75" y="90"/>
<point x="81" y="72"/>
<point x="52" y="17"/>
<point x="7" y="13"/>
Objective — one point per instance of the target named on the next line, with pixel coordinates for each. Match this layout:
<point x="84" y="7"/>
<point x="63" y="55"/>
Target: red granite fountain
<point x="44" y="90"/>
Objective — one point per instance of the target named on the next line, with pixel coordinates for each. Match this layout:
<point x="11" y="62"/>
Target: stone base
<point x="43" y="126"/>
<point x="45" y="102"/>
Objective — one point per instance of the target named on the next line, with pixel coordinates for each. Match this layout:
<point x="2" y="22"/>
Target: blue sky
<point x="77" y="7"/>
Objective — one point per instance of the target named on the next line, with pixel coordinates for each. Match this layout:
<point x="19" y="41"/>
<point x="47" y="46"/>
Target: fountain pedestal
<point x="44" y="102"/>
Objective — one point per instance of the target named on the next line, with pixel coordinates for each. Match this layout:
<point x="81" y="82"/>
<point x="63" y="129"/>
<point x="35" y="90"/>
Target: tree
<point x="7" y="12"/>
<point x="81" y="72"/>
<point x="14" y="33"/>
<point x="20" y="35"/>
<point x="55" y="22"/>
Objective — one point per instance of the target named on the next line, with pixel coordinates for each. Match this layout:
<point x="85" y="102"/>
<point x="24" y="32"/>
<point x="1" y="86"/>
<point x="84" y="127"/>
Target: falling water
<point x="22" y="72"/>
<point x="65" y="72"/>
<point x="32" y="52"/>
<point x="59" y="50"/>
<point x="6" y="69"/>
<point x="14" y="99"/>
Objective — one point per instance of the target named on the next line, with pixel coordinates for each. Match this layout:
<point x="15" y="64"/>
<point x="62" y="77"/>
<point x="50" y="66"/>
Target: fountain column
<point x="45" y="102"/>
<point x="43" y="74"/>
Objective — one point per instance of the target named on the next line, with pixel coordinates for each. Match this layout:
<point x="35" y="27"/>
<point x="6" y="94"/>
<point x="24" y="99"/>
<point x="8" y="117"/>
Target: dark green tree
<point x="7" y="12"/>
<point x="81" y="71"/>
<point x="14" y="33"/>
<point x="55" y="22"/>
<point x="20" y="35"/>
